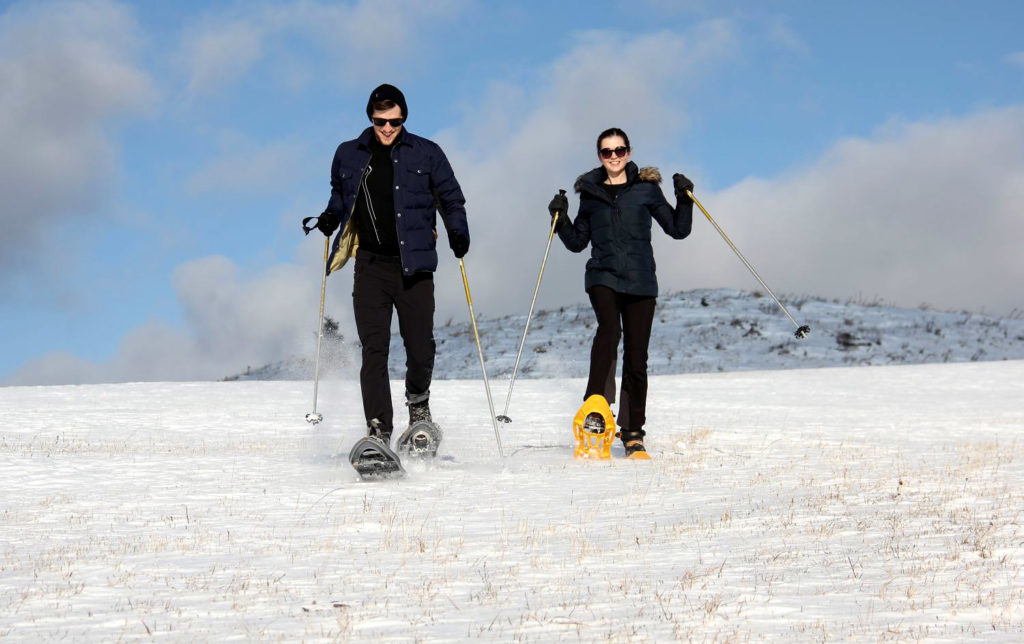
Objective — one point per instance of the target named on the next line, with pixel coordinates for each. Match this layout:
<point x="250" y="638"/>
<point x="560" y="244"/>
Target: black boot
<point x="419" y="411"/>
<point x="633" y="441"/>
<point x="594" y="423"/>
<point x="376" y="429"/>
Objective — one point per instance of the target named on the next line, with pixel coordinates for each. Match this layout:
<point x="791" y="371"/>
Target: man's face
<point x="387" y="133"/>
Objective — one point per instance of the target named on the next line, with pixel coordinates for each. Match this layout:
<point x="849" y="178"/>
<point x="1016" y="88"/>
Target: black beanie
<point x="387" y="93"/>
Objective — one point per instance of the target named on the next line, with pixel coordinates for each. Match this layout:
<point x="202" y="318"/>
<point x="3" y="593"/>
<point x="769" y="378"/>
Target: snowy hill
<point x="866" y="504"/>
<point x="702" y="331"/>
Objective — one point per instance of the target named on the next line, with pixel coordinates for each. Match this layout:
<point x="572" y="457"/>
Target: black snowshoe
<point x="421" y="440"/>
<point x="373" y="458"/>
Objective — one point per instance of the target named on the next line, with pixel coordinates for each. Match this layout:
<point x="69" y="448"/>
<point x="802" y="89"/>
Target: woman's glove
<point x="560" y="205"/>
<point x="681" y="184"/>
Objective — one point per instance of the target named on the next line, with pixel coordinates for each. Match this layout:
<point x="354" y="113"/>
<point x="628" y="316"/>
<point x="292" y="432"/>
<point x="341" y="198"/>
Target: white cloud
<point x="215" y="56"/>
<point x="782" y="34"/>
<point x="920" y="213"/>
<point x="357" y="39"/>
<point x="1016" y="58"/>
<point x="244" y="167"/>
<point x="545" y="137"/>
<point x="231" y="321"/>
<point x="66" y="70"/>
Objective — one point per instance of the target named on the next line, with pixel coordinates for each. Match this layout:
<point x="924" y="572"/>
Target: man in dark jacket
<point x="387" y="186"/>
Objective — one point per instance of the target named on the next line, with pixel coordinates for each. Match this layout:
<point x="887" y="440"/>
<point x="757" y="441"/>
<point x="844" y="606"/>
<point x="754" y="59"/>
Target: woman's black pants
<point x="619" y="315"/>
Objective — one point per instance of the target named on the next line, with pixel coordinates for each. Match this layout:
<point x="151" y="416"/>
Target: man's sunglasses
<point x="379" y="122"/>
<point x="621" y="151"/>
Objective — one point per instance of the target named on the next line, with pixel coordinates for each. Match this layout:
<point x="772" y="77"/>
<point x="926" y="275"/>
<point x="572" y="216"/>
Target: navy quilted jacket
<point x="424" y="185"/>
<point x="619" y="231"/>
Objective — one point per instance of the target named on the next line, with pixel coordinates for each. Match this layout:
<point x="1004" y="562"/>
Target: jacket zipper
<point x="367" y="169"/>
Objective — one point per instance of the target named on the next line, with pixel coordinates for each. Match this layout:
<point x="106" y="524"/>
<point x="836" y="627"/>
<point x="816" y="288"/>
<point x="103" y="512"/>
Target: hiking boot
<point x="633" y="442"/>
<point x="634" y="446"/>
<point x="375" y="428"/>
<point x="594" y="423"/>
<point x="419" y="411"/>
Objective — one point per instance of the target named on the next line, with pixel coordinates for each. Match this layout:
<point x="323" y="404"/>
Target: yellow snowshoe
<point x="594" y="428"/>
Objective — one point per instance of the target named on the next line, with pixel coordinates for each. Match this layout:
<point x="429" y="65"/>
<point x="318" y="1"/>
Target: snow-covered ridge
<point x="699" y="331"/>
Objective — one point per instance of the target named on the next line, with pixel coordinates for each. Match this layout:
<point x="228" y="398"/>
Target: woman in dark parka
<point x="618" y="202"/>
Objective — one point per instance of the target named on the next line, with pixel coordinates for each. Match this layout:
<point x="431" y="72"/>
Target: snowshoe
<point x="374" y="460"/>
<point x="594" y="428"/>
<point x="421" y="440"/>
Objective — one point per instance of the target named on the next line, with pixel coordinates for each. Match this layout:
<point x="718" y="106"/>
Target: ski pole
<point x="504" y="416"/>
<point x="480" y="352"/>
<point x="313" y="417"/>
<point x="801" y="330"/>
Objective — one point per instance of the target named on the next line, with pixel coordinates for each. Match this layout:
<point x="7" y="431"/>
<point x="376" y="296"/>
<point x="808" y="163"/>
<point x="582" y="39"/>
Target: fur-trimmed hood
<point x="597" y="176"/>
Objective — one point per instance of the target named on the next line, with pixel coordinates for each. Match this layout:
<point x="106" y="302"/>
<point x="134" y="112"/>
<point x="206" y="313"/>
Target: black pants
<point x="620" y="314"/>
<point x="379" y="288"/>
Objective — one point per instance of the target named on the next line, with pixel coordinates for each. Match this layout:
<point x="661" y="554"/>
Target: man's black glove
<point x="459" y="244"/>
<point x="560" y="205"/>
<point x="681" y="184"/>
<point x="328" y="222"/>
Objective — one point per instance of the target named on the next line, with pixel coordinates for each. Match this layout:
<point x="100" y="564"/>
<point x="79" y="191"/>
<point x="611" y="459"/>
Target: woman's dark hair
<point x="612" y="131"/>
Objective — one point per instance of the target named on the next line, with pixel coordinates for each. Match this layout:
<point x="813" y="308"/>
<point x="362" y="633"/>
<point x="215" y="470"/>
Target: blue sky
<point x="159" y="156"/>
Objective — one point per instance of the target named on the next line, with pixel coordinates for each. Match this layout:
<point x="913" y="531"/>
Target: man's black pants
<point x="378" y="289"/>
<point x="620" y="314"/>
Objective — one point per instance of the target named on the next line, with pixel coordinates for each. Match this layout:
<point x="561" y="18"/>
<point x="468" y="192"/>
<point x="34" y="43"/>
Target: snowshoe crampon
<point x="594" y="428"/>
<point x="421" y="440"/>
<point x="374" y="460"/>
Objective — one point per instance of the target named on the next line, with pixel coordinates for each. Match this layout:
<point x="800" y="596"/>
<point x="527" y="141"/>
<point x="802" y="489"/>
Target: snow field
<point x="828" y="504"/>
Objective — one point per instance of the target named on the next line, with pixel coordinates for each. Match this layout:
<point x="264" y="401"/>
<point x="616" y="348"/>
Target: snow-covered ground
<point x="699" y="331"/>
<point x="866" y="503"/>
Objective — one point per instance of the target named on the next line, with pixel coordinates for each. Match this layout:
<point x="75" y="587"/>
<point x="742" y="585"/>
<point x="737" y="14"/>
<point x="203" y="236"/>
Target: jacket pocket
<point x="417" y="178"/>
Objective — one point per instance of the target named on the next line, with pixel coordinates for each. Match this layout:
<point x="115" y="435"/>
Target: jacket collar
<point x="591" y="181"/>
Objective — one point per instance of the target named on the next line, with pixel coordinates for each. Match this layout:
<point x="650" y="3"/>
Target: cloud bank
<point x="232" y="320"/>
<point x="66" y="71"/>
<point x="919" y="213"/>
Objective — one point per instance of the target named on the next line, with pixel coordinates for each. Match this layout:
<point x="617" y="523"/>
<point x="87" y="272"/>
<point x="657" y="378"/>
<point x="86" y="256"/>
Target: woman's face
<point x="613" y="164"/>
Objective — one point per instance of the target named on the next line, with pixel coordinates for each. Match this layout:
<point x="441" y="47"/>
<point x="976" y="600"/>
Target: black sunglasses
<point x="621" y="151"/>
<point x="379" y="122"/>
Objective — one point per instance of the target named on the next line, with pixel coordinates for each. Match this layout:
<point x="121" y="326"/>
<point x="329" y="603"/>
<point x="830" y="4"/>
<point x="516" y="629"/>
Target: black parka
<point x="619" y="231"/>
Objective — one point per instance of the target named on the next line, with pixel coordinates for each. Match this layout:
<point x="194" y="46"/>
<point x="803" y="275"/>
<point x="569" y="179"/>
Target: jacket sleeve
<point x="336" y="204"/>
<point x="448" y="195"/>
<point x="576" y="234"/>
<point x="676" y="222"/>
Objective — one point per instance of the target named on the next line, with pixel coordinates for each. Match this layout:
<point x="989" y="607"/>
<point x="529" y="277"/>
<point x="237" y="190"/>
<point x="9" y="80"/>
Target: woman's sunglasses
<point x="379" y="122"/>
<point x="621" y="151"/>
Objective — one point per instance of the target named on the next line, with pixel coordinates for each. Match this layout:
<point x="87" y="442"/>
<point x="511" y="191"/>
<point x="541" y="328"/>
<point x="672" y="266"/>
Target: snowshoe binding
<point x="421" y="440"/>
<point x="633" y="444"/>
<point x="373" y="458"/>
<point x="594" y="428"/>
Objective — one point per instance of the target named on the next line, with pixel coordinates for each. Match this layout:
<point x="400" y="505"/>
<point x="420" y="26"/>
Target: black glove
<point x="328" y="222"/>
<point x="560" y="205"/>
<point x="459" y="244"/>
<point x="681" y="184"/>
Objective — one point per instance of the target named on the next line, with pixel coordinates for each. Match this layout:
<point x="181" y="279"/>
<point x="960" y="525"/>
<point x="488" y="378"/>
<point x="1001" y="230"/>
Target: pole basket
<point x="594" y="428"/>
